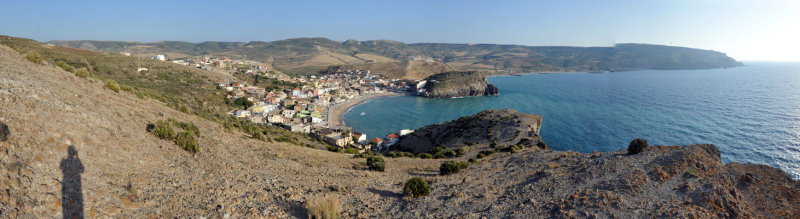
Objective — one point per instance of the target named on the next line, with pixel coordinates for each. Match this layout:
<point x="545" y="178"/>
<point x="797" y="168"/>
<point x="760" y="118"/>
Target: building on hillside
<point x="288" y="113"/>
<point x="241" y="113"/>
<point x="339" y="140"/>
<point x="377" y="143"/>
<point x="360" y="138"/>
<point x="391" y="139"/>
<point x="275" y="118"/>
<point x="405" y="132"/>
<point x="299" y="128"/>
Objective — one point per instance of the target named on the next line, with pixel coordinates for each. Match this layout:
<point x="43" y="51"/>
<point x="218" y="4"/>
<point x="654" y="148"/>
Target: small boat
<point x="363" y="113"/>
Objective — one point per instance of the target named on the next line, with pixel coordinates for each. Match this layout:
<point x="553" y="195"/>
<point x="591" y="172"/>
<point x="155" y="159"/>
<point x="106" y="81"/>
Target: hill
<point x="313" y="55"/>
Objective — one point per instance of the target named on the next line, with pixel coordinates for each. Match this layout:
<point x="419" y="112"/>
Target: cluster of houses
<point x="305" y="108"/>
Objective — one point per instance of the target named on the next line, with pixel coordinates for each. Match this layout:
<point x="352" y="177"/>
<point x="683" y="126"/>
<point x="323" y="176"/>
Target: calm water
<point x="751" y="113"/>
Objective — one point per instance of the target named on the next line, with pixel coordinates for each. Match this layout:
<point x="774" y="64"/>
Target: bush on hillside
<point x="242" y="101"/>
<point x="33" y="57"/>
<point x="187" y="141"/>
<point x="637" y="146"/>
<point x="163" y="130"/>
<point x="451" y="167"/>
<point x="4" y="132"/>
<point x="63" y="65"/>
<point x="425" y="156"/>
<point x="543" y="145"/>
<point x="82" y="72"/>
<point x="416" y="187"/>
<point x="112" y="85"/>
<point x="376" y="163"/>
<point x="324" y="208"/>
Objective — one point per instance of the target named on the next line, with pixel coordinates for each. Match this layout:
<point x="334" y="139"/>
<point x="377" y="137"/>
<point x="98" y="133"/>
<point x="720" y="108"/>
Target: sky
<point x="745" y="30"/>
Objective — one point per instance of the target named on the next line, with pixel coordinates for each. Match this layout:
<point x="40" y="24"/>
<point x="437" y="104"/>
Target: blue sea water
<point x="751" y="113"/>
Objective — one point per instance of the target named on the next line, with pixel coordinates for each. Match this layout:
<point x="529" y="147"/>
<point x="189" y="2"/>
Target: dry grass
<point x="324" y="208"/>
<point x="374" y="58"/>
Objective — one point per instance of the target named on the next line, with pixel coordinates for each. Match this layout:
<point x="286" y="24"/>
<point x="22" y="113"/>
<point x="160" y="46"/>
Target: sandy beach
<point x="335" y="113"/>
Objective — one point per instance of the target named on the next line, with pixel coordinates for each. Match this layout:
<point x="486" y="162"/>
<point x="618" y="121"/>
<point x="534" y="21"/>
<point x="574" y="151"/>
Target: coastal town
<point x="311" y="104"/>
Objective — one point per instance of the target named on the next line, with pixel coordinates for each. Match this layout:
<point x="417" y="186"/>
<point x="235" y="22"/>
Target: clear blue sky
<point x="746" y="30"/>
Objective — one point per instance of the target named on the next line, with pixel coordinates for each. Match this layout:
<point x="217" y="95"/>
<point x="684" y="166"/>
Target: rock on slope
<point x="490" y="127"/>
<point x="458" y="84"/>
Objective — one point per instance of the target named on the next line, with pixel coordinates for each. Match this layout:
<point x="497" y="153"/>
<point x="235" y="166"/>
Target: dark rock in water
<point x="490" y="127"/>
<point x="458" y="84"/>
<point x="4" y="132"/>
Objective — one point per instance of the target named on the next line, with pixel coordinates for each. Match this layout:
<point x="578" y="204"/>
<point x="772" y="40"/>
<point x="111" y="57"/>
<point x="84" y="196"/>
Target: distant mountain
<point x="312" y="55"/>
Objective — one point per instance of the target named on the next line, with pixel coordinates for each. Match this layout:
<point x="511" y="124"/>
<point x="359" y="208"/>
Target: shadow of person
<point x="71" y="192"/>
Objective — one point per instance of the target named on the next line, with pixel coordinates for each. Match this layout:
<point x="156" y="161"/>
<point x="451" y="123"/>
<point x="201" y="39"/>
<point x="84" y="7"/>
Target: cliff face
<point x="458" y="84"/>
<point x="490" y="127"/>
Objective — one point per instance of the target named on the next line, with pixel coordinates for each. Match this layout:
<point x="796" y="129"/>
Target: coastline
<point x="335" y="113"/>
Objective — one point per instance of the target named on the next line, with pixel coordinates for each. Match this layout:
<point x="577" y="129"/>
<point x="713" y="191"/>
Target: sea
<point x="752" y="113"/>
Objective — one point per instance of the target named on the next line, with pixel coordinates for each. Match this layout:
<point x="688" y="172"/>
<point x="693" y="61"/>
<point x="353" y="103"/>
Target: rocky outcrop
<point x="485" y="129"/>
<point x="458" y="84"/>
<point x="660" y="182"/>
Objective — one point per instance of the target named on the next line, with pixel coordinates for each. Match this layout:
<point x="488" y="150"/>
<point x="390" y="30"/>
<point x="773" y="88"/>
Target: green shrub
<point x="33" y="57"/>
<point x="351" y="150"/>
<point x="324" y="208"/>
<point x="485" y="153"/>
<point x="82" y="72"/>
<point x="259" y="136"/>
<point x="543" y="145"/>
<point x="187" y="141"/>
<point x="376" y="163"/>
<point x="332" y="148"/>
<point x="391" y="154"/>
<point x="112" y="85"/>
<point x="4" y="132"/>
<point x="436" y="150"/>
<point x="163" y="130"/>
<point x="637" y="146"/>
<point x="425" y="156"/>
<point x="364" y="154"/>
<point x="472" y="160"/>
<point x="451" y="167"/>
<point x="63" y="65"/>
<point x="416" y="187"/>
<point x="460" y="152"/>
<point x="126" y="88"/>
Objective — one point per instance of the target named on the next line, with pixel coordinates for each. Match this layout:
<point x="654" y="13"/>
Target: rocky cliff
<point x="458" y="84"/>
<point x="485" y="129"/>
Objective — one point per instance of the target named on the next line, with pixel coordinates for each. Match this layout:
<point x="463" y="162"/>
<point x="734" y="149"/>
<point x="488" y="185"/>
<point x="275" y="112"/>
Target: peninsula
<point x="456" y="84"/>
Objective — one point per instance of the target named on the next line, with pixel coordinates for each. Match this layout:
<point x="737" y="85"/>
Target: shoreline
<point x="335" y="113"/>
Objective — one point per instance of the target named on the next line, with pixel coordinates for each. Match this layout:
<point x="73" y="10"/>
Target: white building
<point x="161" y="57"/>
<point x="405" y="132"/>
<point x="241" y="113"/>
<point x="275" y="118"/>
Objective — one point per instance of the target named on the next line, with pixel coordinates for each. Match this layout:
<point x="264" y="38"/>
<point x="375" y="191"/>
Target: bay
<point x="751" y="113"/>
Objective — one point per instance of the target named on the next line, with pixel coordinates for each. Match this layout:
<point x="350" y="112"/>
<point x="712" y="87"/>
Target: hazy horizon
<point x="751" y="31"/>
